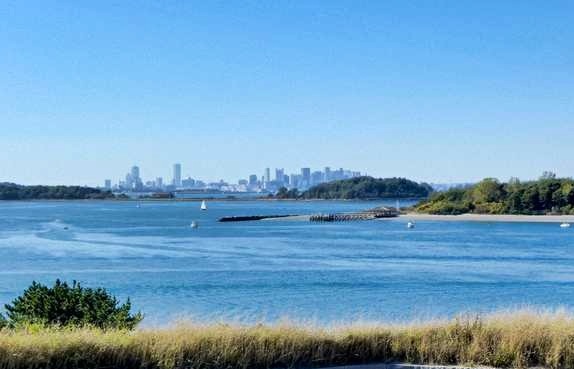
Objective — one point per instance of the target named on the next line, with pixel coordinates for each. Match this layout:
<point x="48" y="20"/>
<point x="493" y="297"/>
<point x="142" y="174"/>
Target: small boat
<point x="565" y="225"/>
<point x="203" y="205"/>
<point x="410" y="225"/>
<point x="194" y="224"/>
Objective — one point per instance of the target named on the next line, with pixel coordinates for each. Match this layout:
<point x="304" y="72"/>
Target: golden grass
<point x="519" y="339"/>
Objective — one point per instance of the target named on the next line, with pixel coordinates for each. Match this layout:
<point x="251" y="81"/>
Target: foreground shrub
<point x="3" y="322"/>
<point x="63" y="305"/>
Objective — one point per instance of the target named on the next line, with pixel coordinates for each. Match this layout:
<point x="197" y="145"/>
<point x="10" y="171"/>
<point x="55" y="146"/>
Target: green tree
<point x="64" y="305"/>
<point x="548" y="175"/>
<point x="368" y="188"/>
<point x="514" y="202"/>
<point x="11" y="191"/>
<point x="488" y="190"/>
<point x="3" y="322"/>
<point x="282" y="193"/>
<point x="531" y="200"/>
<point x="548" y="194"/>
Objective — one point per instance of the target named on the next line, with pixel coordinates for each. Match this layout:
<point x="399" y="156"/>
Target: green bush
<point x="444" y="207"/>
<point x="64" y="305"/>
<point x="3" y="322"/>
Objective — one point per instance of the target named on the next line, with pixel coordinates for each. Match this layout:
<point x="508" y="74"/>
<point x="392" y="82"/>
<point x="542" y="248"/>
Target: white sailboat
<point x="410" y="225"/>
<point x="203" y="205"/>
<point x="194" y="224"/>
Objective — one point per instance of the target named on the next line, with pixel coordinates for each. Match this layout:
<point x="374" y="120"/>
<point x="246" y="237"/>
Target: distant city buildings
<point x="177" y="175"/>
<point x="253" y="180"/>
<point x="267" y="176"/>
<point x="303" y="180"/>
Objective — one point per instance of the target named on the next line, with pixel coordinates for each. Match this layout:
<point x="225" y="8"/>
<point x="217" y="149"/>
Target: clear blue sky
<point x="442" y="91"/>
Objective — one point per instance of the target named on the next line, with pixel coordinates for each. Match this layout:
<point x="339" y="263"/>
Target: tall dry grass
<point x="511" y="340"/>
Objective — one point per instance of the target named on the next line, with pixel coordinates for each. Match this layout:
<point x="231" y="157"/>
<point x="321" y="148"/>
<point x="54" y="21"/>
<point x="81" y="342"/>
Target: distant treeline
<point x="546" y="195"/>
<point x="11" y="191"/>
<point x="361" y="188"/>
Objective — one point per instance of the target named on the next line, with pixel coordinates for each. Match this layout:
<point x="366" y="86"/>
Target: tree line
<point x="547" y="195"/>
<point x="11" y="191"/>
<point x="361" y="188"/>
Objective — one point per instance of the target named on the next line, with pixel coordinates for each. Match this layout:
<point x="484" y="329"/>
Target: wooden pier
<point x="340" y="217"/>
<point x="375" y="213"/>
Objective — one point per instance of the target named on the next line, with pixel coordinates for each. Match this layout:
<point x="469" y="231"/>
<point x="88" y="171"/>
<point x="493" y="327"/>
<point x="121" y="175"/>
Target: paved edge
<point x="406" y="366"/>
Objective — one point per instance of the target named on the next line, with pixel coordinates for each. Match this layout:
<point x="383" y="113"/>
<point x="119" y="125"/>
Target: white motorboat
<point x="410" y="225"/>
<point x="565" y="225"/>
<point x="194" y="224"/>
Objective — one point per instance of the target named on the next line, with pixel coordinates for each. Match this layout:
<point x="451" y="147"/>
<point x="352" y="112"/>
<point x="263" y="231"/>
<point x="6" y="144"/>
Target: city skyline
<point x="306" y="177"/>
<point x="448" y="92"/>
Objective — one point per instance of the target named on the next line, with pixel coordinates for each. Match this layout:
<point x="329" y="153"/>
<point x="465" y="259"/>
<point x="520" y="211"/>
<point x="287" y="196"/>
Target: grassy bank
<point x="517" y="340"/>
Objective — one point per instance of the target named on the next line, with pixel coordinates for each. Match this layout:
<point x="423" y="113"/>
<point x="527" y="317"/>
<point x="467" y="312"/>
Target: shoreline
<point x="212" y="199"/>
<point x="499" y="218"/>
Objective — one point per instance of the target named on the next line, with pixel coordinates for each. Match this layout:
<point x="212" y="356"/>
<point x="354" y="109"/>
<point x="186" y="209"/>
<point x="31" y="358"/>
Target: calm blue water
<point x="253" y="271"/>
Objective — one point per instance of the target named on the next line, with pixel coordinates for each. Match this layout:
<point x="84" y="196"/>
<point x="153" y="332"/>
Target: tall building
<point x="327" y="174"/>
<point x="129" y="183"/>
<point x="267" y="175"/>
<point x="159" y="182"/>
<point x="279" y="174"/>
<point x="177" y="175"/>
<point x="135" y="173"/>
<point x="306" y="174"/>
<point x="108" y="184"/>
<point x="305" y="180"/>
<point x="294" y="180"/>
<point x="253" y="179"/>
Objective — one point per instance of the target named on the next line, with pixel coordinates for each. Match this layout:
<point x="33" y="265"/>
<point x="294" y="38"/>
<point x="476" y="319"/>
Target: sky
<point x="437" y="91"/>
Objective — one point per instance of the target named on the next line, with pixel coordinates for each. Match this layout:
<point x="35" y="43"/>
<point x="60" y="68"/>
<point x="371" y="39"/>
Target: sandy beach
<point x="491" y="218"/>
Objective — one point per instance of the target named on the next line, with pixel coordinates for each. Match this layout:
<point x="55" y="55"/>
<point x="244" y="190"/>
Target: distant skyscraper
<point x="135" y="173"/>
<point x="294" y="180"/>
<point x="279" y="173"/>
<point x="267" y="175"/>
<point x="159" y="182"/>
<point x="177" y="175"/>
<point x="253" y="179"/>
<point x="327" y="174"/>
<point x="316" y="178"/>
<point x="305" y="181"/>
<point x="108" y="184"/>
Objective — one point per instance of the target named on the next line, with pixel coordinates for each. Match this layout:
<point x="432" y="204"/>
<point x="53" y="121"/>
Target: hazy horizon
<point x="442" y="92"/>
